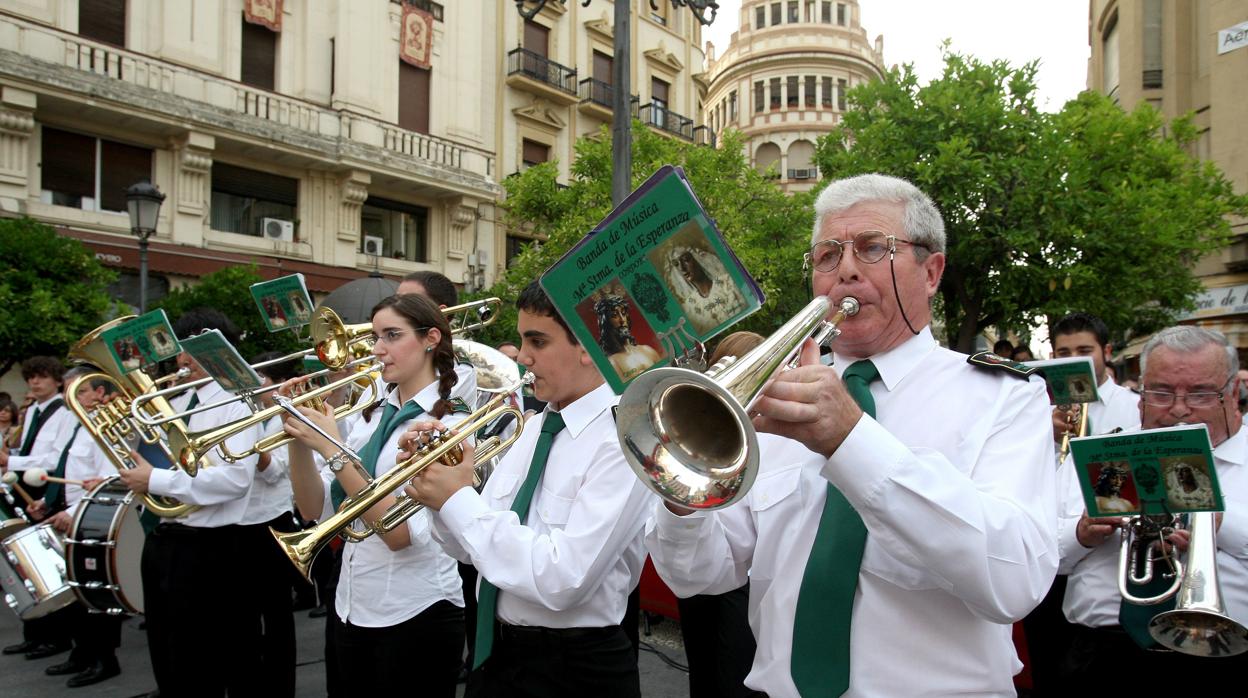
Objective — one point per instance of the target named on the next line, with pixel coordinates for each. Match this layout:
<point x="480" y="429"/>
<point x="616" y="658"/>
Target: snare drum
<point x="104" y="548"/>
<point x="12" y="518"/>
<point x="33" y="576"/>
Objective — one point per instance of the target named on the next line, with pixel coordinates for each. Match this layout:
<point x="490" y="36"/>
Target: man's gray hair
<point x="921" y="219"/>
<point x="82" y="370"/>
<point x="1187" y="339"/>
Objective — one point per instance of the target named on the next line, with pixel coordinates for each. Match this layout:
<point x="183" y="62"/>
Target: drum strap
<point x="41" y="418"/>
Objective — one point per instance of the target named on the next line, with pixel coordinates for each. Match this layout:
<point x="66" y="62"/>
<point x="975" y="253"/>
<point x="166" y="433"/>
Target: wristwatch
<point x="336" y="461"/>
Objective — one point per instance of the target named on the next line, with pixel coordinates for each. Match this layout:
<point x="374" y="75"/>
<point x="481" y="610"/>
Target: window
<point x="90" y="173"/>
<point x="242" y="197"/>
<point x="1109" y="58"/>
<point x="604" y="65"/>
<point x="534" y="153"/>
<point x="1152" y="44"/>
<point x="791" y="98"/>
<point x="413" y="98"/>
<point x="103" y="20"/>
<point x="515" y="245"/>
<point x="825" y="12"/>
<point x="794" y="17"/>
<point x="841" y="12"/>
<point x="827" y="93"/>
<point x="760" y="98"/>
<point x="732" y="106"/>
<point x="760" y="17"/>
<point x="810" y="91"/>
<point x="259" y="56"/>
<point x="842" y="85"/>
<point x="536" y="38"/>
<point x="775" y="13"/>
<point x="660" y="14"/>
<point x="775" y="94"/>
<point x="403" y="228"/>
<point x="659" y="92"/>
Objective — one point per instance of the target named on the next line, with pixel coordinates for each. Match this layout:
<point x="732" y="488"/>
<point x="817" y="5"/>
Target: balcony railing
<point x="703" y="135"/>
<point x="657" y="114"/>
<point x="521" y="61"/>
<point x="597" y="92"/>
<point x="211" y="98"/>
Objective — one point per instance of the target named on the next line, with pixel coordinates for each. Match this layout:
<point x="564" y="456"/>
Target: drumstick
<point x="10" y="478"/>
<point x="38" y="476"/>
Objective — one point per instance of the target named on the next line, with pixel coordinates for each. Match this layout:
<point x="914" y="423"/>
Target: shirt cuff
<point x="673" y="527"/>
<point x="161" y="482"/>
<point x="461" y="509"/>
<point x="864" y="461"/>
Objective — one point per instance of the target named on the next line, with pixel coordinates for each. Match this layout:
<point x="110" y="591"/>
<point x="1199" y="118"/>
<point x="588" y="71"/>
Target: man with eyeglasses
<point x="1188" y="377"/>
<point x="905" y="506"/>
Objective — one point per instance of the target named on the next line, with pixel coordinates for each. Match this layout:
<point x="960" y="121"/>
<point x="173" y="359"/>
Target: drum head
<point x="127" y="555"/>
<point x="41" y="566"/>
<point x="10" y="526"/>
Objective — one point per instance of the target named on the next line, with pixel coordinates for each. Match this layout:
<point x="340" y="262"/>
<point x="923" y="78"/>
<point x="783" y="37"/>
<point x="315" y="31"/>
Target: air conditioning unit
<point x="374" y="245"/>
<point x="806" y="173"/>
<point x="278" y="229"/>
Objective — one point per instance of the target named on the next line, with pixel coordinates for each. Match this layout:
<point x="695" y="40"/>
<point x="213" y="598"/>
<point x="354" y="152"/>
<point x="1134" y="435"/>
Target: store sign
<point x="1229" y="300"/>
<point x="1232" y="38"/>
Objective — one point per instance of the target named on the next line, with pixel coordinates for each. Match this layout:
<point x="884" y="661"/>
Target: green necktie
<point x="487" y="599"/>
<point x="193" y="402"/>
<point x="29" y="442"/>
<point x="820" y="661"/>
<point x="54" y="488"/>
<point x="391" y="418"/>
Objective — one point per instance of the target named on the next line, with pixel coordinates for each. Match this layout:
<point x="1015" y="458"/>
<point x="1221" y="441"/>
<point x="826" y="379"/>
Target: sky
<point x="1054" y="31"/>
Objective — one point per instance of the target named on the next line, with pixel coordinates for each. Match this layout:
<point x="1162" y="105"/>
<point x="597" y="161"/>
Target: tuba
<point x="688" y="435"/>
<point x="1198" y="625"/>
<point x="302" y="546"/>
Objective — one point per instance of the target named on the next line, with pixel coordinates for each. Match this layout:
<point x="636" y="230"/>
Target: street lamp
<point x="143" y="202"/>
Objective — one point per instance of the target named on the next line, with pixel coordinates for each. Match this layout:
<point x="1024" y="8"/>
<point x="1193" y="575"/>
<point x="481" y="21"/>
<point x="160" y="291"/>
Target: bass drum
<point x="33" y="573"/>
<point x="12" y="518"/>
<point x="104" y="548"/>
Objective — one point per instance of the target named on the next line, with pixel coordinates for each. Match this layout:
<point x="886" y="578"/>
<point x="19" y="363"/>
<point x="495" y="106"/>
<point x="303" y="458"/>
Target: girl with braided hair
<point x="398" y="610"/>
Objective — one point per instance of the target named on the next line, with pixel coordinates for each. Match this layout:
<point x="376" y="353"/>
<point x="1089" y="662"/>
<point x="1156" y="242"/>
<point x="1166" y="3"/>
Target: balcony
<point x="596" y="98"/>
<point x="536" y="73"/>
<point x="657" y="115"/>
<point x="114" y="80"/>
<point x="703" y="135"/>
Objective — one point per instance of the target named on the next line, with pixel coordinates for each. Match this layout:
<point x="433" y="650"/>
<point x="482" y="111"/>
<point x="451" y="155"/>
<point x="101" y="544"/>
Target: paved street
<point x="25" y="679"/>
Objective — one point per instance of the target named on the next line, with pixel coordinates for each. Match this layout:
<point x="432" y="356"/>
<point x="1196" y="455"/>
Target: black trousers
<point x="1105" y="661"/>
<point x="1049" y="635"/>
<point x="96" y="636"/>
<point x="718" y="643"/>
<point x="558" y="663"/>
<point x="200" y="627"/>
<point x="270" y="603"/>
<point x="425" y="651"/>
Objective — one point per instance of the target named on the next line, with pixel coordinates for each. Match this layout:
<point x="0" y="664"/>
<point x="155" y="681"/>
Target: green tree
<point x="228" y="291"/>
<point x="1090" y="209"/>
<point x="767" y="230"/>
<point x="53" y="290"/>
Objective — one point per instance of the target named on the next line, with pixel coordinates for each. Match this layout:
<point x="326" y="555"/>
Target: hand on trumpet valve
<point x="808" y="403"/>
<point x="438" y="481"/>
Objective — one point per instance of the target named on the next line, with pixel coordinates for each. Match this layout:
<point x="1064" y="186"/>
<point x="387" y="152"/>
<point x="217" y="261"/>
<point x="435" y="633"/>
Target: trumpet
<point x="111" y="425"/>
<point x="688" y="435"/>
<point x="302" y="546"/>
<point x="1064" y="449"/>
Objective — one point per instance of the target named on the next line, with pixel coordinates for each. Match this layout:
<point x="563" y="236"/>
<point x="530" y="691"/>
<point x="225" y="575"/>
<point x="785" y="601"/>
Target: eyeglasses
<point x="392" y="336"/>
<point x="1198" y="401"/>
<point x="869" y="246"/>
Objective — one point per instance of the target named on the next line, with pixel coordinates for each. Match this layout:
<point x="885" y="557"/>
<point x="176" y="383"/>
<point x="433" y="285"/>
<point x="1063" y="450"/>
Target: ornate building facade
<point x="782" y="80"/>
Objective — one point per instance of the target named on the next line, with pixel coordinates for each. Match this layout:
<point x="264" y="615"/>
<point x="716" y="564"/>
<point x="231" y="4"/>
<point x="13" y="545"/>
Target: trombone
<point x="469" y="317"/>
<point x="302" y="546"/>
<point x="688" y="435"/>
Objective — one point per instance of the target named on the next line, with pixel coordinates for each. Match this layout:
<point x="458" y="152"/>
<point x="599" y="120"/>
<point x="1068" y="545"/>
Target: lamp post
<point x="143" y="202"/>
<point x="621" y="71"/>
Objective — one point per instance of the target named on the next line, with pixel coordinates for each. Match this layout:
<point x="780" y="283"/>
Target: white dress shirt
<point x="220" y="488"/>
<point x="1092" y="590"/>
<point x="45" y="452"/>
<point x="270" y="494"/>
<point x="578" y="554"/>
<point x="953" y="482"/>
<point x="86" y="461"/>
<point x="379" y="587"/>
<point x="1115" y="407"/>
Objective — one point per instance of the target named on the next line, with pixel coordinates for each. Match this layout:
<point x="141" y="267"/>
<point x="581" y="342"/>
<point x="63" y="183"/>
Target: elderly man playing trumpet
<point x="1188" y="377"/>
<point x="905" y="506"/>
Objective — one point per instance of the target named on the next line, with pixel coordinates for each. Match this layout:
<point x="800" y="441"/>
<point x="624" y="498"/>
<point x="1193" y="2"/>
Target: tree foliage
<point x="1091" y="209"/>
<point x="52" y="288"/>
<point x="767" y="230"/>
<point x="228" y="291"/>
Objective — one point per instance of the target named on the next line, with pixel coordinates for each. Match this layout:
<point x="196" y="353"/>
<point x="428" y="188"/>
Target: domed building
<point x="783" y="78"/>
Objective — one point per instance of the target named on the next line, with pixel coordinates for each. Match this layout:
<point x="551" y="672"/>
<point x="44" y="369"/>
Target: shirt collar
<point x="426" y="398"/>
<point x="578" y="415"/>
<point x="896" y="363"/>
<point x="1233" y="449"/>
<point x="49" y="401"/>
